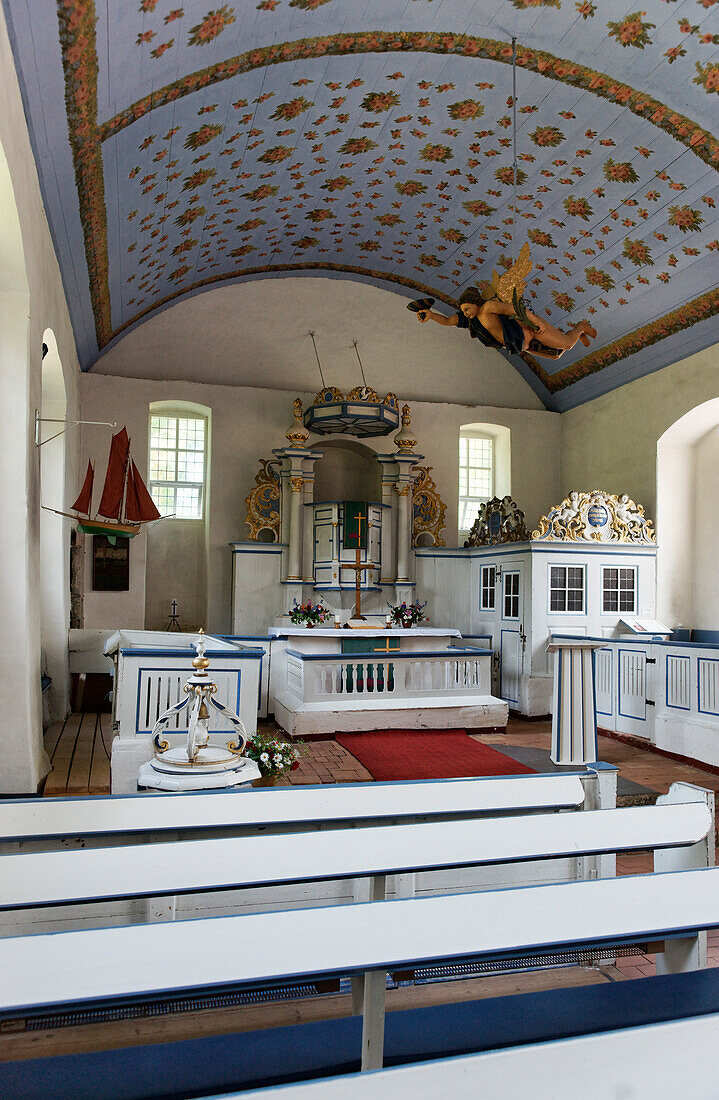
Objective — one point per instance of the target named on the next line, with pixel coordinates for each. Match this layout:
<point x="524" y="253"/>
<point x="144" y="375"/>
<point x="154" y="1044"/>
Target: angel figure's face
<point x="469" y="310"/>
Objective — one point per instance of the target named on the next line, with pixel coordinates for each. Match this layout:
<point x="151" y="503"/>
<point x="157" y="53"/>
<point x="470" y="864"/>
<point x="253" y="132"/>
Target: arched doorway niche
<point x="687" y="520"/>
<point x="347" y="471"/>
<point x="54" y="532"/>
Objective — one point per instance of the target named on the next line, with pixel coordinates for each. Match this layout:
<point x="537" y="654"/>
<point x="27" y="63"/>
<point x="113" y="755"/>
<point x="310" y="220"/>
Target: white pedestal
<point x="197" y="779"/>
<point x="574" y="709"/>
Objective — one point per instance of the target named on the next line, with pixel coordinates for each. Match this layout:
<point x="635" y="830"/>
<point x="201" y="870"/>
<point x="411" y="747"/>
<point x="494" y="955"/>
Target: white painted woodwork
<point x="574" y="716"/>
<point x="48" y="878"/>
<point x="663" y="1061"/>
<point x="131" y="961"/>
<point x="77" y="817"/>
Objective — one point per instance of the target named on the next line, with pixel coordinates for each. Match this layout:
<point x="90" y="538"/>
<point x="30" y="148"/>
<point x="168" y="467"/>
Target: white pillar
<point x="404" y="530"/>
<point x="294" y="566"/>
<point x="388" y="574"/>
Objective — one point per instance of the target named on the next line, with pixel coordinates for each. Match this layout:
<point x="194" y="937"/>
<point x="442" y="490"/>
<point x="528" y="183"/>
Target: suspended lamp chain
<point x="319" y="365"/>
<point x="364" y="380"/>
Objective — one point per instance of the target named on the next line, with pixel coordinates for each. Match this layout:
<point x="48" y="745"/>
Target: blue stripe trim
<point x="232" y="655"/>
<point x="392" y="655"/>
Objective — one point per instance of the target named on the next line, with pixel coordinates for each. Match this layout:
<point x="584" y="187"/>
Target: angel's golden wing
<point x="513" y="282"/>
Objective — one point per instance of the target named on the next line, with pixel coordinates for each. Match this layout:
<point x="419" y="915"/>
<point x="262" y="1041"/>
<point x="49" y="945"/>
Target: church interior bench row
<point x="114" y="966"/>
<point x="33" y="818"/>
<point x="80" y="875"/>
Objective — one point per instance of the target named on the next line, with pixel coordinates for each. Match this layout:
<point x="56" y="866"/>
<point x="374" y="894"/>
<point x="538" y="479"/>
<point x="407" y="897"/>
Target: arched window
<point x="484" y="468"/>
<point x="178" y="460"/>
<point x="476" y="475"/>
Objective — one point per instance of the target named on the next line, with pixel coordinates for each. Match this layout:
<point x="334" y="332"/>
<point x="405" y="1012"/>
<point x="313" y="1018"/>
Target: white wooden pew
<point x="680" y="828"/>
<point x="101" y="874"/>
<point x="107" y="965"/>
<point x="83" y="818"/>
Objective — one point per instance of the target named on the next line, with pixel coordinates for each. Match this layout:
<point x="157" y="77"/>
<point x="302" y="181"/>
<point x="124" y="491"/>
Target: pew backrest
<point x="46" y="818"/>
<point x="137" y="961"/>
<point x="34" y="879"/>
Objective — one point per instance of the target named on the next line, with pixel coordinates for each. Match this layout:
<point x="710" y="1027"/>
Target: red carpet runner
<point x="408" y="754"/>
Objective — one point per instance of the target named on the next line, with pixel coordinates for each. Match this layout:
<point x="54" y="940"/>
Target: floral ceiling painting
<point x="183" y="144"/>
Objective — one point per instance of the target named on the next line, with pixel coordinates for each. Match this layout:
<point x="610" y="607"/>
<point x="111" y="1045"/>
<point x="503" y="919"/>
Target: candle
<point x="388" y="621"/>
<point x="337" y="621"/>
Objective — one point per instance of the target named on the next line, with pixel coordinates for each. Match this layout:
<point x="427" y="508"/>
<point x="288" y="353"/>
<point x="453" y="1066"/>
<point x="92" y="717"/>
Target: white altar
<point x="347" y="680"/>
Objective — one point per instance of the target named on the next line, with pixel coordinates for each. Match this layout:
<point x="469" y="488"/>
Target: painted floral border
<point x="77" y="20"/>
<point x="691" y="313"/>
<point x="704" y="144"/>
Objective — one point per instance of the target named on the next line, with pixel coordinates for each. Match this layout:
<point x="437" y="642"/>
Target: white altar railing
<point x="665" y="692"/>
<point x="452" y="673"/>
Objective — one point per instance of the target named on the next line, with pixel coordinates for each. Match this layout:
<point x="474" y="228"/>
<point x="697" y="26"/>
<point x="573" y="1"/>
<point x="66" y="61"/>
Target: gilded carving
<point x="498" y="521"/>
<point x="328" y="396"/>
<point x="296" y="484"/>
<point x="405" y="441"/>
<point x="297" y="434"/>
<point x="595" y="517"/>
<point x="428" y="508"/>
<point x="402" y="490"/>
<point x="263" y="501"/>
<point x="364" y="393"/>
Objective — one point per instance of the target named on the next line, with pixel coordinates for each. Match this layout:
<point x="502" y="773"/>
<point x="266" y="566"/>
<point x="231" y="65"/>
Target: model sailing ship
<point x="125" y="499"/>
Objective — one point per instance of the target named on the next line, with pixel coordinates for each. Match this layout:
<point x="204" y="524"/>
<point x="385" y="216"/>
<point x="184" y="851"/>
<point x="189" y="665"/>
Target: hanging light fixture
<point x="361" y="412"/>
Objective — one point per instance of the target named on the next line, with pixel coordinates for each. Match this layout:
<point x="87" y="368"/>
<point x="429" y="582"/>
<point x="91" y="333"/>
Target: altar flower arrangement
<point x="314" y="614"/>
<point x="273" y="757"/>
<point x="407" y="614"/>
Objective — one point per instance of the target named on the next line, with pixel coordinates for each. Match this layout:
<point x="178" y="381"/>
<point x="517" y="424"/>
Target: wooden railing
<point x="453" y="672"/>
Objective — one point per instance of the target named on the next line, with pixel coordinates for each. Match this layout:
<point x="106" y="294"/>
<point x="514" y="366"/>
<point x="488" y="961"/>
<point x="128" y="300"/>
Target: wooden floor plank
<point x="52" y="736"/>
<point x="78" y="780"/>
<point x="100" y="768"/>
<point x="56" y="782"/>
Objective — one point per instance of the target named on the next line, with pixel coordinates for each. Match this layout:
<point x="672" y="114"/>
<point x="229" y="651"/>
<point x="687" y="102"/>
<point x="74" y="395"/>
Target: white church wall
<point x="611" y="443"/>
<point x="704" y="574"/>
<point x="31" y="301"/>
<point x="247" y="423"/>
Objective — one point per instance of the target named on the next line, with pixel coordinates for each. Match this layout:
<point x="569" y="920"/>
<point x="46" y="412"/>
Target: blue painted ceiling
<point x="180" y="145"/>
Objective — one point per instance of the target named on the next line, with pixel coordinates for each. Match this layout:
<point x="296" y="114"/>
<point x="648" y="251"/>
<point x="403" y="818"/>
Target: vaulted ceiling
<point x="181" y="145"/>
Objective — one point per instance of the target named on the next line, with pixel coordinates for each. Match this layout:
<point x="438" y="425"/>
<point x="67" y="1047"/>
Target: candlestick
<point x="388" y="621"/>
<point x="337" y="622"/>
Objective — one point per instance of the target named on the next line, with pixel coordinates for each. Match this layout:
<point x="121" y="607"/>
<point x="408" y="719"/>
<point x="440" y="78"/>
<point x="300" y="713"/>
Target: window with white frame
<point x="178" y="446"/>
<point x="476" y="476"/>
<point x="619" y="589"/>
<point x="566" y="588"/>
<point x="487" y="587"/>
<point x="510" y="583"/>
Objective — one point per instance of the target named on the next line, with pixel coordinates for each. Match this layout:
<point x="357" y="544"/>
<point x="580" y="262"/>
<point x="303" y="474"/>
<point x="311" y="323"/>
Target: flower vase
<point x="265" y="781"/>
<point x="309" y="626"/>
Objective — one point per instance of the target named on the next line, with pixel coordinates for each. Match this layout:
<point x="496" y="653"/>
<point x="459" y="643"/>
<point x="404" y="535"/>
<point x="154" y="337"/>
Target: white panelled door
<point x="511" y="632"/>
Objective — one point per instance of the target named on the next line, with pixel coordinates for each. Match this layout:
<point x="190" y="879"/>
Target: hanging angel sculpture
<point x="503" y="321"/>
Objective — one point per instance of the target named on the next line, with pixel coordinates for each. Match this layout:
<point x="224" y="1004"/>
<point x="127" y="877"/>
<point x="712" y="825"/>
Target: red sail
<point x="112" y="491"/>
<point x="84" y="500"/>
<point x="139" y="505"/>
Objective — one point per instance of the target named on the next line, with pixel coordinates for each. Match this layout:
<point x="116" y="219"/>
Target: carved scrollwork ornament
<point x="263" y="501"/>
<point x="498" y="521"/>
<point x="595" y="517"/>
<point x="428" y="508"/>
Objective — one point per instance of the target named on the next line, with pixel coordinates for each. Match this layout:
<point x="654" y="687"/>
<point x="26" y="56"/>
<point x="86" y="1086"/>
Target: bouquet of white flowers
<point x="272" y="756"/>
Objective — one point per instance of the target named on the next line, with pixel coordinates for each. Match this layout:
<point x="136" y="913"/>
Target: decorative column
<point x="404" y="531"/>
<point x="406" y="459"/>
<point x="308" y="526"/>
<point x="297" y="485"/>
<point x="389" y="520"/>
<point x="294" y="560"/>
<point x="574" y="708"/>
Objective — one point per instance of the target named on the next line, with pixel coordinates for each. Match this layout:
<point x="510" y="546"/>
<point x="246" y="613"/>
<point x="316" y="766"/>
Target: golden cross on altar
<point x="385" y="648"/>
